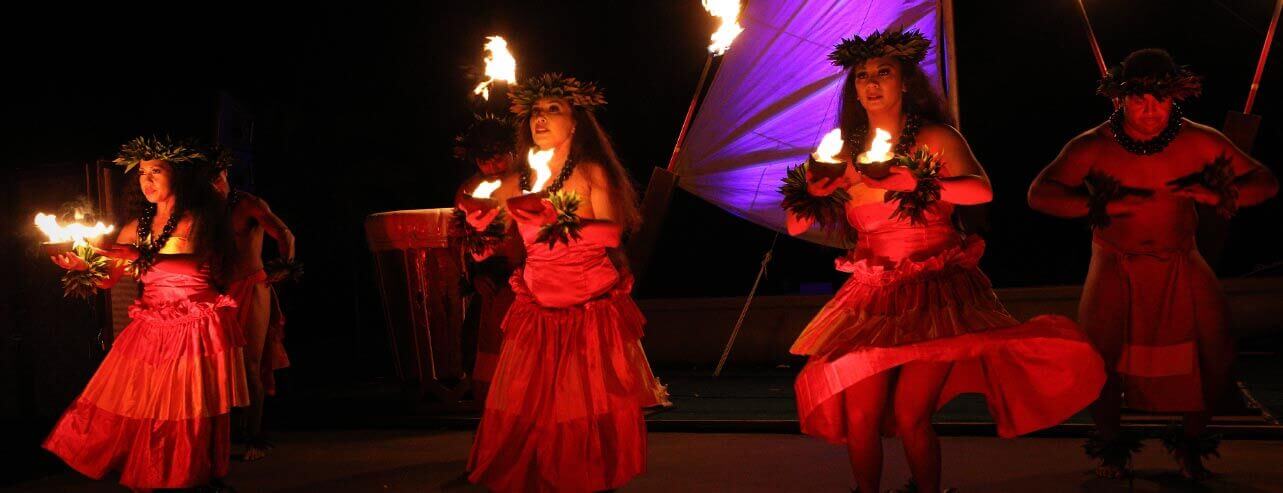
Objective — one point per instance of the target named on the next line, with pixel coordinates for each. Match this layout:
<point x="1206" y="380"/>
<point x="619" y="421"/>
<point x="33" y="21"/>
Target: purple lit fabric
<point x="776" y="94"/>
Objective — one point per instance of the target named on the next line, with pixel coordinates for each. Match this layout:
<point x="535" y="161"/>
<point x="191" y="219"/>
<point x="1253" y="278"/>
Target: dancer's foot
<point x="1192" y="467"/>
<point x="909" y="487"/>
<point x="256" y="449"/>
<point x="912" y="487"/>
<point x="1115" y="455"/>
<point x="1189" y="453"/>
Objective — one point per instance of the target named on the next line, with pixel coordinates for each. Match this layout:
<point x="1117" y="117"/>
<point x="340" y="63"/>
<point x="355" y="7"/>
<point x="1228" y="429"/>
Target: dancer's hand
<point x="1198" y="193"/>
<point x="480" y="219"/>
<point x="898" y="179"/>
<point x="822" y="187"/>
<point x="70" y="261"/>
<point x="797" y="225"/>
<point x="484" y="254"/>
<point x="277" y="275"/>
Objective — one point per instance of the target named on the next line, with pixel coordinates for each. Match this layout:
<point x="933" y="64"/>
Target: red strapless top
<point x="176" y="278"/>
<point x="887" y="242"/>
<point x="568" y="275"/>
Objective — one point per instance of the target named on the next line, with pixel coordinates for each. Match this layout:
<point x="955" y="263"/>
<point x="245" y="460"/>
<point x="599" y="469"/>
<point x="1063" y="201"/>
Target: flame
<point x="728" y="11"/>
<point x="484" y="190"/>
<point x="880" y="150"/>
<point x="539" y="163"/>
<point x="500" y="65"/>
<point x="829" y="147"/>
<point x="74" y="232"/>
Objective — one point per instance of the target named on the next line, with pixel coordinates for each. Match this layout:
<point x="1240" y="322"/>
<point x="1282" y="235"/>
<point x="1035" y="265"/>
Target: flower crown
<point x="909" y="46"/>
<point x="554" y="85"/>
<point x="175" y="152"/>
<point x="1179" y="84"/>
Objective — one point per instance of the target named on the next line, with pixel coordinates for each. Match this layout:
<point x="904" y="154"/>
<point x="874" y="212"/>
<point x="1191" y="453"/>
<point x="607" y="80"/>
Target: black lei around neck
<point x="908" y="137"/>
<point x="1151" y="146"/>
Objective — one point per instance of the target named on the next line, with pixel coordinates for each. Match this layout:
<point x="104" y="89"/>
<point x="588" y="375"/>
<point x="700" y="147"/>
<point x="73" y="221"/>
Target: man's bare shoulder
<point x="1203" y="134"/>
<point x="249" y="202"/>
<point x="1093" y="137"/>
<point x="1086" y="147"/>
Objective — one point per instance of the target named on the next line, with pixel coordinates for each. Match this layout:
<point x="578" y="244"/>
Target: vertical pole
<point x="690" y="114"/>
<point x="951" y="62"/>
<point x="1091" y="36"/>
<point x="726" y="353"/>
<point x="1260" y="62"/>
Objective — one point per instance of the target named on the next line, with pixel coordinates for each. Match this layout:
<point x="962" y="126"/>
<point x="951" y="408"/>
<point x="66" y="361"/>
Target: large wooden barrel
<point x="418" y="275"/>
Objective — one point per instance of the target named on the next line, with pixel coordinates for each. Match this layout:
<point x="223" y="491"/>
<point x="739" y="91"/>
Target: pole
<point x="726" y="353"/>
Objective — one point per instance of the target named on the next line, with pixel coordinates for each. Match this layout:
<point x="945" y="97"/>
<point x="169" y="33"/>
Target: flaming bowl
<point x="822" y="169"/>
<point x="472" y="204"/>
<point x="877" y="170"/>
<point x="530" y="202"/>
<point x="57" y="248"/>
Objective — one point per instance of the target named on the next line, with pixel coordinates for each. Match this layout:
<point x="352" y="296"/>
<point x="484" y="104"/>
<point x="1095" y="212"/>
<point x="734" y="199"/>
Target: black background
<point x="356" y="106"/>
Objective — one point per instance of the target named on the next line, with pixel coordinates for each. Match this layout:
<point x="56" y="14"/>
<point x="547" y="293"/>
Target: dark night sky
<point x="357" y="104"/>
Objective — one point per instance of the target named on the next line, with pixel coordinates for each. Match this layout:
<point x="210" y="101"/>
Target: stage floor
<point x="375" y="436"/>
<point x="757" y="400"/>
<point x="422" y="460"/>
<point x="763" y="400"/>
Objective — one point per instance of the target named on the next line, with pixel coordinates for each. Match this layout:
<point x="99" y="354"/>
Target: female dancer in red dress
<point x="156" y="411"/>
<point x="564" y="411"/>
<point x="917" y="322"/>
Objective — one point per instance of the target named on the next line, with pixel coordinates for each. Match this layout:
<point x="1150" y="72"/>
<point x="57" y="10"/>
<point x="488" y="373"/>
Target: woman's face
<point x="878" y="83"/>
<point x="154" y="179"/>
<point x="551" y="123"/>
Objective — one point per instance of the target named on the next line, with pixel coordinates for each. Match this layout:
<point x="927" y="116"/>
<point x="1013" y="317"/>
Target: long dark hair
<point x="592" y="146"/>
<point x="919" y="99"/>
<point x="211" y="233"/>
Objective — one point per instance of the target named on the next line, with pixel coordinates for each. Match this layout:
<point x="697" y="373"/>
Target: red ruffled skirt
<point x="942" y="309"/>
<point x="157" y="408"/>
<point x="564" y="408"/>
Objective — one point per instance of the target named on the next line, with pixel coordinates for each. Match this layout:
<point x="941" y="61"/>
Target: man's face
<point x="495" y="165"/>
<point x="1147" y="113"/>
<point x="220" y="184"/>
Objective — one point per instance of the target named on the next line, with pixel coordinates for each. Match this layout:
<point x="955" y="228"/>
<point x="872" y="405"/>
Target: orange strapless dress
<point x="156" y="411"/>
<point x="564" y="409"/>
